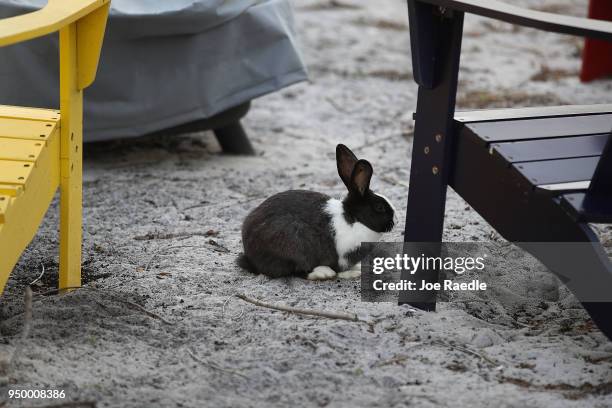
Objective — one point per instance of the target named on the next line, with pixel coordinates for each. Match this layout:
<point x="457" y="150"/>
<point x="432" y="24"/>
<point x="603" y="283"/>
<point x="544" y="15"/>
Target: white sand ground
<point x="150" y="204"/>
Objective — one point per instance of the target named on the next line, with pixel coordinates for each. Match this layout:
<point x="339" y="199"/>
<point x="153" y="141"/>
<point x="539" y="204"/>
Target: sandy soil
<point x="162" y="230"/>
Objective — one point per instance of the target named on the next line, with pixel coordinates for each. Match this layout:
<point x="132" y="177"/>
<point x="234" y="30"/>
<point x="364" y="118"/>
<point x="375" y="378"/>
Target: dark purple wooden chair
<point x="535" y="174"/>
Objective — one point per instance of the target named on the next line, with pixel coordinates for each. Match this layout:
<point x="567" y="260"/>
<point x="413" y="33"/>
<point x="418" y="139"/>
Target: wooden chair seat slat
<point x="550" y="149"/>
<point x="487" y="115"/>
<point x="526" y="129"/>
<point x="22" y="112"/>
<point x="27" y="129"/>
<point x="20" y="149"/>
<point x="558" y="171"/>
<point x="596" y="209"/>
<point x="15" y="172"/>
<point x="559" y="188"/>
<point x="549" y="161"/>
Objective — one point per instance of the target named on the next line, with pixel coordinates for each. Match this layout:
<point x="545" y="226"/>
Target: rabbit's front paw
<point x="322" y="273"/>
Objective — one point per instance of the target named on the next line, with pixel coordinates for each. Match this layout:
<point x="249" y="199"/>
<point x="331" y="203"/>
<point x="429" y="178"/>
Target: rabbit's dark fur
<point x="296" y="233"/>
<point x="309" y="234"/>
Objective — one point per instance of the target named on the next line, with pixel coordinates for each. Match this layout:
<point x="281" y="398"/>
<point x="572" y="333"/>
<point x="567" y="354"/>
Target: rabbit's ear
<point x="360" y="178"/>
<point x="345" y="160"/>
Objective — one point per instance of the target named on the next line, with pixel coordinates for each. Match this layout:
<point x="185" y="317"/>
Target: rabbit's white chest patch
<point x="348" y="237"/>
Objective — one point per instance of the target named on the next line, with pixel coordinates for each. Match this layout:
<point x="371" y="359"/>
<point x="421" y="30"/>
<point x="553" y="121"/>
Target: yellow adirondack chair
<point x="41" y="149"/>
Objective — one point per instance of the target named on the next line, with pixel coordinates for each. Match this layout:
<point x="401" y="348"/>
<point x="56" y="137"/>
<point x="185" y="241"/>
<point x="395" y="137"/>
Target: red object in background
<point x="597" y="56"/>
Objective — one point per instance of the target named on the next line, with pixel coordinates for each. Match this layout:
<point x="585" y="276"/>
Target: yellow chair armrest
<point x="54" y="16"/>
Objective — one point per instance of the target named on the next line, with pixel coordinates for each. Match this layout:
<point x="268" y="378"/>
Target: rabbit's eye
<point x="379" y="207"/>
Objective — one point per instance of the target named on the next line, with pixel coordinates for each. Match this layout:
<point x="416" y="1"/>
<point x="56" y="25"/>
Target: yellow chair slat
<point x="12" y="190"/>
<point x="5" y="202"/>
<point x="19" y="149"/>
<point x="15" y="172"/>
<point x="26" y="129"/>
<point x="26" y="211"/>
<point x="20" y="112"/>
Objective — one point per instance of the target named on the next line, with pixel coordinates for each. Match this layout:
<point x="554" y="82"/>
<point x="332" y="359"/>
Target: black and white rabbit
<point x="309" y="234"/>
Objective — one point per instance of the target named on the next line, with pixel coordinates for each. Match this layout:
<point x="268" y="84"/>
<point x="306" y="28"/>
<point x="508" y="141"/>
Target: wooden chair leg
<point x="432" y="34"/>
<point x="233" y="139"/>
<point x="71" y="163"/>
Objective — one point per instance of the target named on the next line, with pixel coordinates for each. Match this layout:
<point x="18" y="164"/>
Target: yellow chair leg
<point x="31" y="172"/>
<point x="71" y="167"/>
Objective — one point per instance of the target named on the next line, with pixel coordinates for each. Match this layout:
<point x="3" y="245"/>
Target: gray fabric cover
<point x="164" y="63"/>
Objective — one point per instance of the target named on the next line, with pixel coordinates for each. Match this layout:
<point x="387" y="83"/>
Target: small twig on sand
<point x="398" y="358"/>
<point x="240" y="202"/>
<point x="248" y="199"/>
<point x="216" y="247"/>
<point x="330" y="315"/>
<point x="214" y="366"/>
<point x="151" y="236"/>
<point x="468" y="351"/>
<point x="145" y="311"/>
<point x="596" y="360"/>
<point x="393" y="181"/>
<point x="164" y="249"/>
<point x="377" y="141"/>
<point x="39" y="276"/>
<point x="337" y="106"/>
<point x="115" y="298"/>
<point x="238" y="316"/>
<point x="27" y="326"/>
<point x="71" y="404"/>
<point x="203" y="204"/>
<point x="394" y="360"/>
